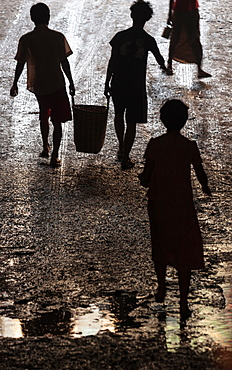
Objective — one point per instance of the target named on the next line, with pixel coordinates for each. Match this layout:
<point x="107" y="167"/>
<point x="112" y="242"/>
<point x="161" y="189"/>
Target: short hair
<point x="40" y="13"/>
<point x="141" y="10"/>
<point x="174" y="114"/>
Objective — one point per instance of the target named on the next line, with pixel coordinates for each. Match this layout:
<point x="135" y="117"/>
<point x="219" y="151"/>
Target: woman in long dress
<point x="185" y="45"/>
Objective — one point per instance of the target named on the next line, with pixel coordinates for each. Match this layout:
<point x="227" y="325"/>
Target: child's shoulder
<point x="27" y="35"/>
<point x="187" y="140"/>
<point x="169" y="138"/>
<point x="39" y="31"/>
<point x="156" y="140"/>
<point x="122" y="33"/>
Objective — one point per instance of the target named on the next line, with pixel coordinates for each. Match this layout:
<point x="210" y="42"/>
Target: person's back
<point x="185" y="5"/>
<point x="173" y="155"/>
<point x="131" y="49"/>
<point x="185" y="45"/>
<point x="43" y="49"/>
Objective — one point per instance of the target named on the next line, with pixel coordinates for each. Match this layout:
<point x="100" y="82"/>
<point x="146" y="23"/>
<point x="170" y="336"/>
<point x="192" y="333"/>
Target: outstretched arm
<point x="18" y="72"/>
<point x="159" y="58"/>
<point x="202" y="178"/>
<point x="66" y="68"/>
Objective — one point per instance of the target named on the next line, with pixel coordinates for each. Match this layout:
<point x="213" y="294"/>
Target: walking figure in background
<point x="126" y="78"/>
<point x="45" y="51"/>
<point x="185" y="45"/>
<point x="175" y="233"/>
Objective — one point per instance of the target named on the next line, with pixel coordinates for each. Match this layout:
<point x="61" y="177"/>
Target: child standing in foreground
<point x="175" y="233"/>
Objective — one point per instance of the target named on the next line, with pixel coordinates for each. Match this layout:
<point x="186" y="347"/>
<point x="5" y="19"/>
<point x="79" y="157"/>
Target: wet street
<point x="77" y="282"/>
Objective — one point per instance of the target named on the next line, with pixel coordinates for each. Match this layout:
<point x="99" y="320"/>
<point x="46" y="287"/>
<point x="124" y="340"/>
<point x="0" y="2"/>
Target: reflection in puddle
<point x="113" y="314"/>
<point x="219" y="327"/>
<point x="82" y="322"/>
<point x="10" y="328"/>
<point x="172" y="333"/>
<point x="92" y="321"/>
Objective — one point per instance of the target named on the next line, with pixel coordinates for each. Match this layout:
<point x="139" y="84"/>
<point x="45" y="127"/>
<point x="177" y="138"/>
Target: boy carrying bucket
<point x="126" y="78"/>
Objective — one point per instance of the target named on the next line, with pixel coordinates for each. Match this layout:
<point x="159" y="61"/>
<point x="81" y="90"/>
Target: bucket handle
<point x="107" y="97"/>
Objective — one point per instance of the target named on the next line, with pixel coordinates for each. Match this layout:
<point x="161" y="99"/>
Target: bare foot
<point x="203" y="74"/>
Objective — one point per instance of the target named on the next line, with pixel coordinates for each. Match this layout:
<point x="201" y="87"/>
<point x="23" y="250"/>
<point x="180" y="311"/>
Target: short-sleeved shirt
<point x="43" y="50"/>
<point x="130" y="52"/>
<point x="185" y="5"/>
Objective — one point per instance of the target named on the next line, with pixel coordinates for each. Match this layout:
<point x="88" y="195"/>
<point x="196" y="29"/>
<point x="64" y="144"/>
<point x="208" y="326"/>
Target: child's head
<point x="174" y="114"/>
<point x="141" y="11"/>
<point x="40" y="14"/>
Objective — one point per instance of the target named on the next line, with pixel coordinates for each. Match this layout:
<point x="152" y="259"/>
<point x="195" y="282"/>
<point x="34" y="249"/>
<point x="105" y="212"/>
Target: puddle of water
<point x="219" y="327"/>
<point x="113" y="314"/>
<point x="10" y="328"/>
<point x="81" y="322"/>
<point x="92" y="321"/>
<point x="172" y="333"/>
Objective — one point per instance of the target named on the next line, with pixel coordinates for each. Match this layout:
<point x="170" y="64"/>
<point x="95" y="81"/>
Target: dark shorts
<point x="55" y="105"/>
<point x="130" y="99"/>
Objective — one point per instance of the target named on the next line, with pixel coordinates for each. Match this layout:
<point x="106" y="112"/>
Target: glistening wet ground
<point x="122" y="312"/>
<point x="76" y="278"/>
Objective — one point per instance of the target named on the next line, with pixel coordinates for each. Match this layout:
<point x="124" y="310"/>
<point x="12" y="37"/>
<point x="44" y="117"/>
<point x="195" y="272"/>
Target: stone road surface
<point x="76" y="278"/>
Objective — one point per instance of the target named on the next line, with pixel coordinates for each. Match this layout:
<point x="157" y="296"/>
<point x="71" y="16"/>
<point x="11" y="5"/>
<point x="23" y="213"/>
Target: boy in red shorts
<point x="45" y="51"/>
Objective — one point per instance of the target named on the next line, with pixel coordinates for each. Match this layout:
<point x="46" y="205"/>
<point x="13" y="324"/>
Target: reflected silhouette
<point x="122" y="304"/>
<point x="56" y="322"/>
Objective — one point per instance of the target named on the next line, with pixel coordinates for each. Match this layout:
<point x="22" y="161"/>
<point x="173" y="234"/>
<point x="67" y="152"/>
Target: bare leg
<point x="128" y="141"/>
<point x="125" y="139"/>
<point x="119" y="129"/>
<point x="57" y="135"/>
<point x="44" y="128"/>
<point x="161" y="274"/>
<point x="184" y="283"/>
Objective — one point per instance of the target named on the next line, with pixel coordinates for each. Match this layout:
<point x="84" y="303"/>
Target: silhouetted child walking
<point x="127" y="74"/>
<point x="45" y="51"/>
<point x="175" y="233"/>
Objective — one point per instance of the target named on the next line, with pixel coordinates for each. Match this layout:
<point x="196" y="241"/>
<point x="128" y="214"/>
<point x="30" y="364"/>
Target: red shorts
<point x="55" y="105"/>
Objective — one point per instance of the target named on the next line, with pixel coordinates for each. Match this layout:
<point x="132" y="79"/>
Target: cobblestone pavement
<point x="76" y="277"/>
